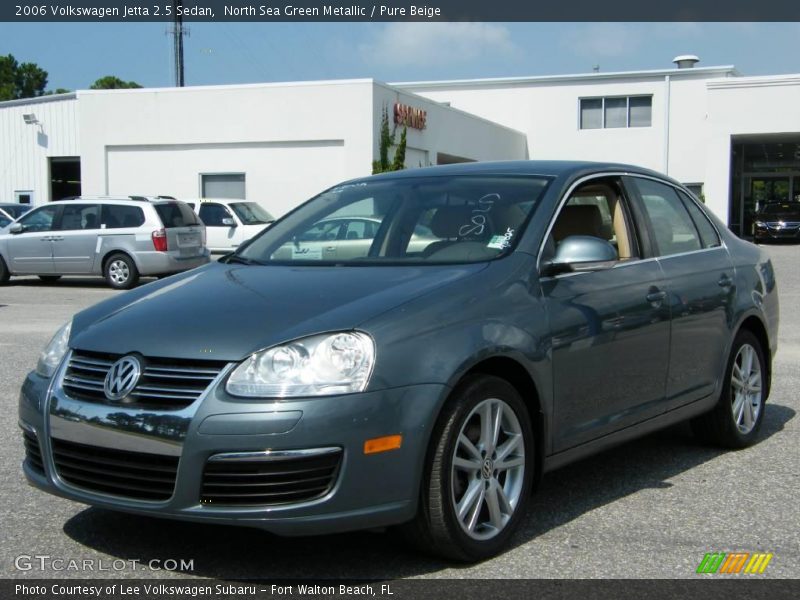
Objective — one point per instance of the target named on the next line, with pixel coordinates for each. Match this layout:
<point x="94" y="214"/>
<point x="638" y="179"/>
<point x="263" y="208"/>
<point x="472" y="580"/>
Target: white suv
<point x="229" y="223"/>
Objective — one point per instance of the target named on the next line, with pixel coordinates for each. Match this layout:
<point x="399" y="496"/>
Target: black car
<point x="777" y="221"/>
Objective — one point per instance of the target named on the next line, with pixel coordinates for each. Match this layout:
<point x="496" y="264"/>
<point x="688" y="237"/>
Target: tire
<point x="488" y="520"/>
<point x="736" y="419"/>
<point x="120" y="272"/>
<point x="49" y="278"/>
<point x="4" y="274"/>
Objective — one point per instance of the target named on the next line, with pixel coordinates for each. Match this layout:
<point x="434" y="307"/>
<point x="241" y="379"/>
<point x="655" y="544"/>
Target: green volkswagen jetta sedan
<point x="500" y="320"/>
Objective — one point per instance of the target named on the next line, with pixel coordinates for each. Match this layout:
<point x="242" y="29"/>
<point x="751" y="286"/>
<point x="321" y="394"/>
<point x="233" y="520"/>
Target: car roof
<point x="543" y="168"/>
<point x="115" y="199"/>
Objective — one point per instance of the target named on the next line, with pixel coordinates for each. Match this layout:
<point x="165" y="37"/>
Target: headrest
<point x="579" y="219"/>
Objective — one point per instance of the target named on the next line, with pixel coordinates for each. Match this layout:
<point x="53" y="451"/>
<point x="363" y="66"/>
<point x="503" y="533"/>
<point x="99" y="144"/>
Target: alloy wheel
<point x="746" y="388"/>
<point x="488" y="469"/>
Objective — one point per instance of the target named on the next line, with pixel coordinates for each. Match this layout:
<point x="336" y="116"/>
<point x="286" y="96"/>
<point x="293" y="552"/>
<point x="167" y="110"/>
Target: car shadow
<point x="232" y="553"/>
<point x="68" y="282"/>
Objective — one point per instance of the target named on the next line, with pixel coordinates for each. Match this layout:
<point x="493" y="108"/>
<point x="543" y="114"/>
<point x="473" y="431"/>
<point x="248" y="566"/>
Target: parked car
<point x="558" y="309"/>
<point x="345" y="238"/>
<point x="777" y="221"/>
<point x="13" y="210"/>
<point x="119" y="239"/>
<point x="230" y="223"/>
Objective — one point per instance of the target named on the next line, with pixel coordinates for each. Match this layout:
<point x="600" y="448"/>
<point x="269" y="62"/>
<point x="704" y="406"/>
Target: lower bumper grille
<point x="135" y="475"/>
<point x="33" y="452"/>
<point x="271" y="480"/>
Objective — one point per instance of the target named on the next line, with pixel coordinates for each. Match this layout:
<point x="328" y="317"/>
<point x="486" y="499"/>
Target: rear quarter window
<point x="176" y="214"/>
<point x="121" y="216"/>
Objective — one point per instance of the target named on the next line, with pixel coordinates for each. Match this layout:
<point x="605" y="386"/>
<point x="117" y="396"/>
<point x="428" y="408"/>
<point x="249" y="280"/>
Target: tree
<point x="26" y="80"/>
<point x="382" y="165"/>
<point x="111" y="82"/>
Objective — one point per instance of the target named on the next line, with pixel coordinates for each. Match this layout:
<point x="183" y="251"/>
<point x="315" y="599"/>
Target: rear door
<point x="184" y="229"/>
<point x="31" y="251"/>
<point x="75" y="243"/>
<point x="699" y="276"/>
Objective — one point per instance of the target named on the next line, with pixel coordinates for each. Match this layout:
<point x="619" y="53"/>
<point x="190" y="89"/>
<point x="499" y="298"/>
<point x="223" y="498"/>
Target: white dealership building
<point x="735" y="140"/>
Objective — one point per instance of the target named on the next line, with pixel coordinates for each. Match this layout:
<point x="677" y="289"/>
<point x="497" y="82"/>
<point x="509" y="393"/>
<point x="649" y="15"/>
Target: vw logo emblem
<point x="122" y="377"/>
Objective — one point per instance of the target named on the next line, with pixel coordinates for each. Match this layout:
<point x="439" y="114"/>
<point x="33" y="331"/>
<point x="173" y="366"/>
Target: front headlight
<point x="760" y="224"/>
<point x="320" y="365"/>
<point x="55" y="350"/>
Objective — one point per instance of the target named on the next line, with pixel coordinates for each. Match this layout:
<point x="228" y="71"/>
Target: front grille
<point x="165" y="383"/>
<point x="33" y="452"/>
<point x="784" y="225"/>
<point x="269" y="481"/>
<point x="134" y="475"/>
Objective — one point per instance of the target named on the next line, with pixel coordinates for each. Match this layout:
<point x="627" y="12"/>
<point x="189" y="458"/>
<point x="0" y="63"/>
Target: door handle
<point x="725" y="281"/>
<point x="656" y="296"/>
<point x="330" y="248"/>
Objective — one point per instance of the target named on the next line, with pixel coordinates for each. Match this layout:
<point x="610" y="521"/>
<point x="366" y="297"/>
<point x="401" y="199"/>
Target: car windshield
<point x="774" y="209"/>
<point x="250" y="213"/>
<point x="406" y="220"/>
<point x="4" y="220"/>
<point x="16" y="210"/>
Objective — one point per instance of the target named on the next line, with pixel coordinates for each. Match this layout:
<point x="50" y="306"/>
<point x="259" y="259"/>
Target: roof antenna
<point x="595" y="68"/>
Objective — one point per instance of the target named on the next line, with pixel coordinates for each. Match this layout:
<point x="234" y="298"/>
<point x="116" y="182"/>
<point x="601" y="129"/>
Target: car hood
<point x="226" y="311"/>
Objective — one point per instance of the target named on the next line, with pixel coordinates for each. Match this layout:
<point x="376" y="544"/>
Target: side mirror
<point x="16" y="228"/>
<point x="581" y="253"/>
<point x="229" y="222"/>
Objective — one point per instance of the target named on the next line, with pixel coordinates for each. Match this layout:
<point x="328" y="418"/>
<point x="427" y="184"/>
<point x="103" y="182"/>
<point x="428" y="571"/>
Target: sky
<point x="76" y="54"/>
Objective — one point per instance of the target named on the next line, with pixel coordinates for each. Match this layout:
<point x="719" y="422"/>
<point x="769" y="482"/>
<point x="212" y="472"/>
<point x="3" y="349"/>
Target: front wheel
<point x="479" y="472"/>
<point x="736" y="419"/>
<point x="121" y="272"/>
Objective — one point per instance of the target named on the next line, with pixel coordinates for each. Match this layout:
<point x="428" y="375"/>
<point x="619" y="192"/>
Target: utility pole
<point x="178" y="31"/>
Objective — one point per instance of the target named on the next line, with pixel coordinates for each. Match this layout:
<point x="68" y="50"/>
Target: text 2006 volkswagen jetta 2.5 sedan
<point x="411" y="349"/>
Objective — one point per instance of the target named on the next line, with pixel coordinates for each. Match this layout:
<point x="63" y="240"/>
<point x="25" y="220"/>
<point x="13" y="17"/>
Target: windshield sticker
<point x="501" y="242"/>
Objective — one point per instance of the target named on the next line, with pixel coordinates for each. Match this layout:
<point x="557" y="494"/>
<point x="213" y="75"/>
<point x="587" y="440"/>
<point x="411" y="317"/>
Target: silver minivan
<point x="117" y="238"/>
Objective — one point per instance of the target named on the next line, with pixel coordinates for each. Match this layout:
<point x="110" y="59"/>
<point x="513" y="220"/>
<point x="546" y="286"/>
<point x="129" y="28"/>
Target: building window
<point x="616" y="112"/>
<point x="223" y="185"/>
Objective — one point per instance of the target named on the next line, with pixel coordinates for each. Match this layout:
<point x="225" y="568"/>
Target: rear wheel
<point x="49" y="278"/>
<point x="121" y="272"/>
<point x="737" y="417"/>
<point x="4" y="274"/>
<point x="478" y="478"/>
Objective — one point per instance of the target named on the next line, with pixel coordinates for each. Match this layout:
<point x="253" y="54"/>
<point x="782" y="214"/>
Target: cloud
<point x="405" y="44"/>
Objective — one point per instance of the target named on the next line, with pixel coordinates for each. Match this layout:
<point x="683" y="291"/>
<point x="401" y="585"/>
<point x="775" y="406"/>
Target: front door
<point x="609" y="328"/>
<point x="220" y="234"/>
<point x="31" y="250"/>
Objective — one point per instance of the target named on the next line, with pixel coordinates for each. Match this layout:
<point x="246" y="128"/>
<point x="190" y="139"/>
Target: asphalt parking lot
<point x="648" y="509"/>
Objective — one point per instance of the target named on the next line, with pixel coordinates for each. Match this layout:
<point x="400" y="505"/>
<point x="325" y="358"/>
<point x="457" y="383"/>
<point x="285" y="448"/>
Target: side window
<point x="80" y="216"/>
<point x="673" y="227"/>
<point x="708" y="235"/>
<point x="212" y="214"/>
<point x="596" y="209"/>
<point x="360" y="230"/>
<point x="40" y="220"/>
<point x="322" y="231"/>
<point x="120" y="216"/>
